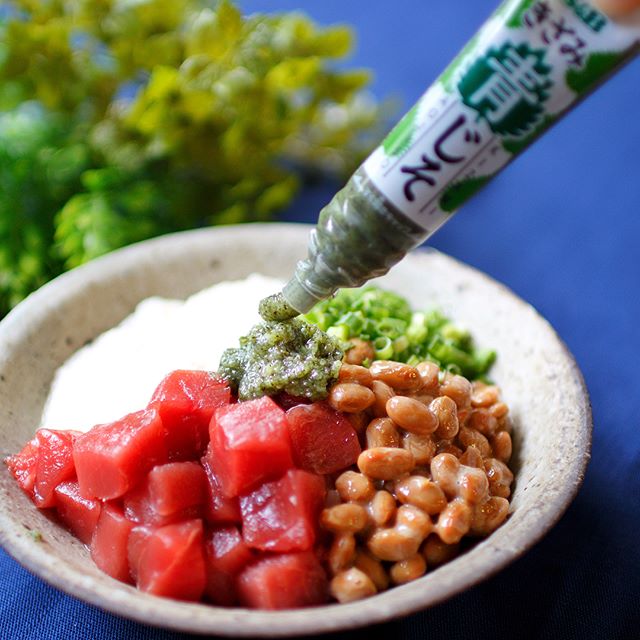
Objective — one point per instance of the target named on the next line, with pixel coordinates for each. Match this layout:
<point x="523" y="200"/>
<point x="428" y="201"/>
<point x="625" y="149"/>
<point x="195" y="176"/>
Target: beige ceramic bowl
<point x="539" y="378"/>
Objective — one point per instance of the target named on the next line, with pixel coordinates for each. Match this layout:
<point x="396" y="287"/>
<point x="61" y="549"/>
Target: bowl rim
<point x="400" y="601"/>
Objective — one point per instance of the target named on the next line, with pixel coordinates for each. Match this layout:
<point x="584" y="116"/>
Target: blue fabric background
<point x="561" y="227"/>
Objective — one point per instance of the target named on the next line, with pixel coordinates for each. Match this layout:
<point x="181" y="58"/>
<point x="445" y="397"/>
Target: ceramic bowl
<point x="539" y="378"/>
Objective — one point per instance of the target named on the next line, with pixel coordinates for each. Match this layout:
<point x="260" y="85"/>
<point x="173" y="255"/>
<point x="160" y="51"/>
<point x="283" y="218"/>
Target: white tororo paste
<point x="118" y="372"/>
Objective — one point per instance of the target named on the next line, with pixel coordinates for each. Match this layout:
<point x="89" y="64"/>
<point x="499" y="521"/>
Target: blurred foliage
<point x="125" y="119"/>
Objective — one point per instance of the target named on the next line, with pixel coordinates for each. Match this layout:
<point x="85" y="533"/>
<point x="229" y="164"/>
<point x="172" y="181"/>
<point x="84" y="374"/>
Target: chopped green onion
<point x="455" y="334"/>
<point x="396" y="332"/>
<point x="453" y="368"/>
<point x="400" y="344"/>
<point x="319" y="318"/>
<point x="391" y="327"/>
<point x="484" y="358"/>
<point x="452" y="356"/>
<point x="339" y="331"/>
<point x="417" y="331"/>
<point x="354" y="321"/>
<point x="383" y="348"/>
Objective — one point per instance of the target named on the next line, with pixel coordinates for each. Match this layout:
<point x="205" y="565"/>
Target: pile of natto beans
<point x="433" y="470"/>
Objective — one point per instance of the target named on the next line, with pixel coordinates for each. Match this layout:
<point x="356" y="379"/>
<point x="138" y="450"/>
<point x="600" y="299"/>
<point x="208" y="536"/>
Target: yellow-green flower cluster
<point x="185" y="113"/>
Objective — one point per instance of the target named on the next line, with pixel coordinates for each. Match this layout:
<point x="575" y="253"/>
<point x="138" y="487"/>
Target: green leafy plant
<point x="124" y="120"/>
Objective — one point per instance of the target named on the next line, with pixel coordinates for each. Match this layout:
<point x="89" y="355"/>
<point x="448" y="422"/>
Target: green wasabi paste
<point x="292" y="356"/>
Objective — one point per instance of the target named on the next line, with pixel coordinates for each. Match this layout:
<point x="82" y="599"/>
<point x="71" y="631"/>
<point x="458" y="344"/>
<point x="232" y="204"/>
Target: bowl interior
<point x="538" y="377"/>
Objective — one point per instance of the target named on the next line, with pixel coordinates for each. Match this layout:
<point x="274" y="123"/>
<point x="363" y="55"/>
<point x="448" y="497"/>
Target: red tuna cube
<point x="135" y="545"/>
<point x="284" y="581"/>
<point x="22" y="466"/>
<point x="283" y="515"/>
<point x="218" y="507"/>
<point x="43" y="463"/>
<point x="112" y="458"/>
<point x="186" y="401"/>
<point x="249" y="444"/>
<point x="54" y="465"/>
<point x="322" y="439"/>
<point x="172" y="562"/>
<point x="170" y="492"/>
<point x="109" y="542"/>
<point x="79" y="514"/>
<point x="226" y="554"/>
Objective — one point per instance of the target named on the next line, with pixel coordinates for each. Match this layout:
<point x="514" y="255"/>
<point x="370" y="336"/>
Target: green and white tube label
<point x="529" y="63"/>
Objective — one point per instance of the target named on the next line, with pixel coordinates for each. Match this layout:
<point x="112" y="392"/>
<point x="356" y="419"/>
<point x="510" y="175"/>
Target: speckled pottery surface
<point x="538" y="376"/>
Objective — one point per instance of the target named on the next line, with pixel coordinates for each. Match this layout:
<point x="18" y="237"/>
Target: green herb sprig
<point x="124" y="120"/>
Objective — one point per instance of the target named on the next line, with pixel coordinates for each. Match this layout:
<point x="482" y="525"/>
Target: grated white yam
<point x="117" y="372"/>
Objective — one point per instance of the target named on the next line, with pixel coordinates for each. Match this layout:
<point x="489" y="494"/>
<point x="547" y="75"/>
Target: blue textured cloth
<point x="561" y="227"/>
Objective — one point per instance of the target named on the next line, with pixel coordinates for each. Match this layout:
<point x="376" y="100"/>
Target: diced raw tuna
<point x="79" y="514"/>
<point x="186" y="401"/>
<point x="137" y="541"/>
<point x="249" y="444"/>
<point x="322" y="439"/>
<point x="170" y="492"/>
<point x="283" y="515"/>
<point x="54" y="465"/>
<point x="284" y="581"/>
<point x="43" y="463"/>
<point x="172" y="562"/>
<point x="218" y="507"/>
<point x="22" y="466"/>
<point x="109" y="542"/>
<point x="226" y="554"/>
<point x="112" y="458"/>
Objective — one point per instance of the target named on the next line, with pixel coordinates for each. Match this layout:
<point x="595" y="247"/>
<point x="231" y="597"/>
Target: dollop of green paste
<point x="292" y="356"/>
<point x="275" y="307"/>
